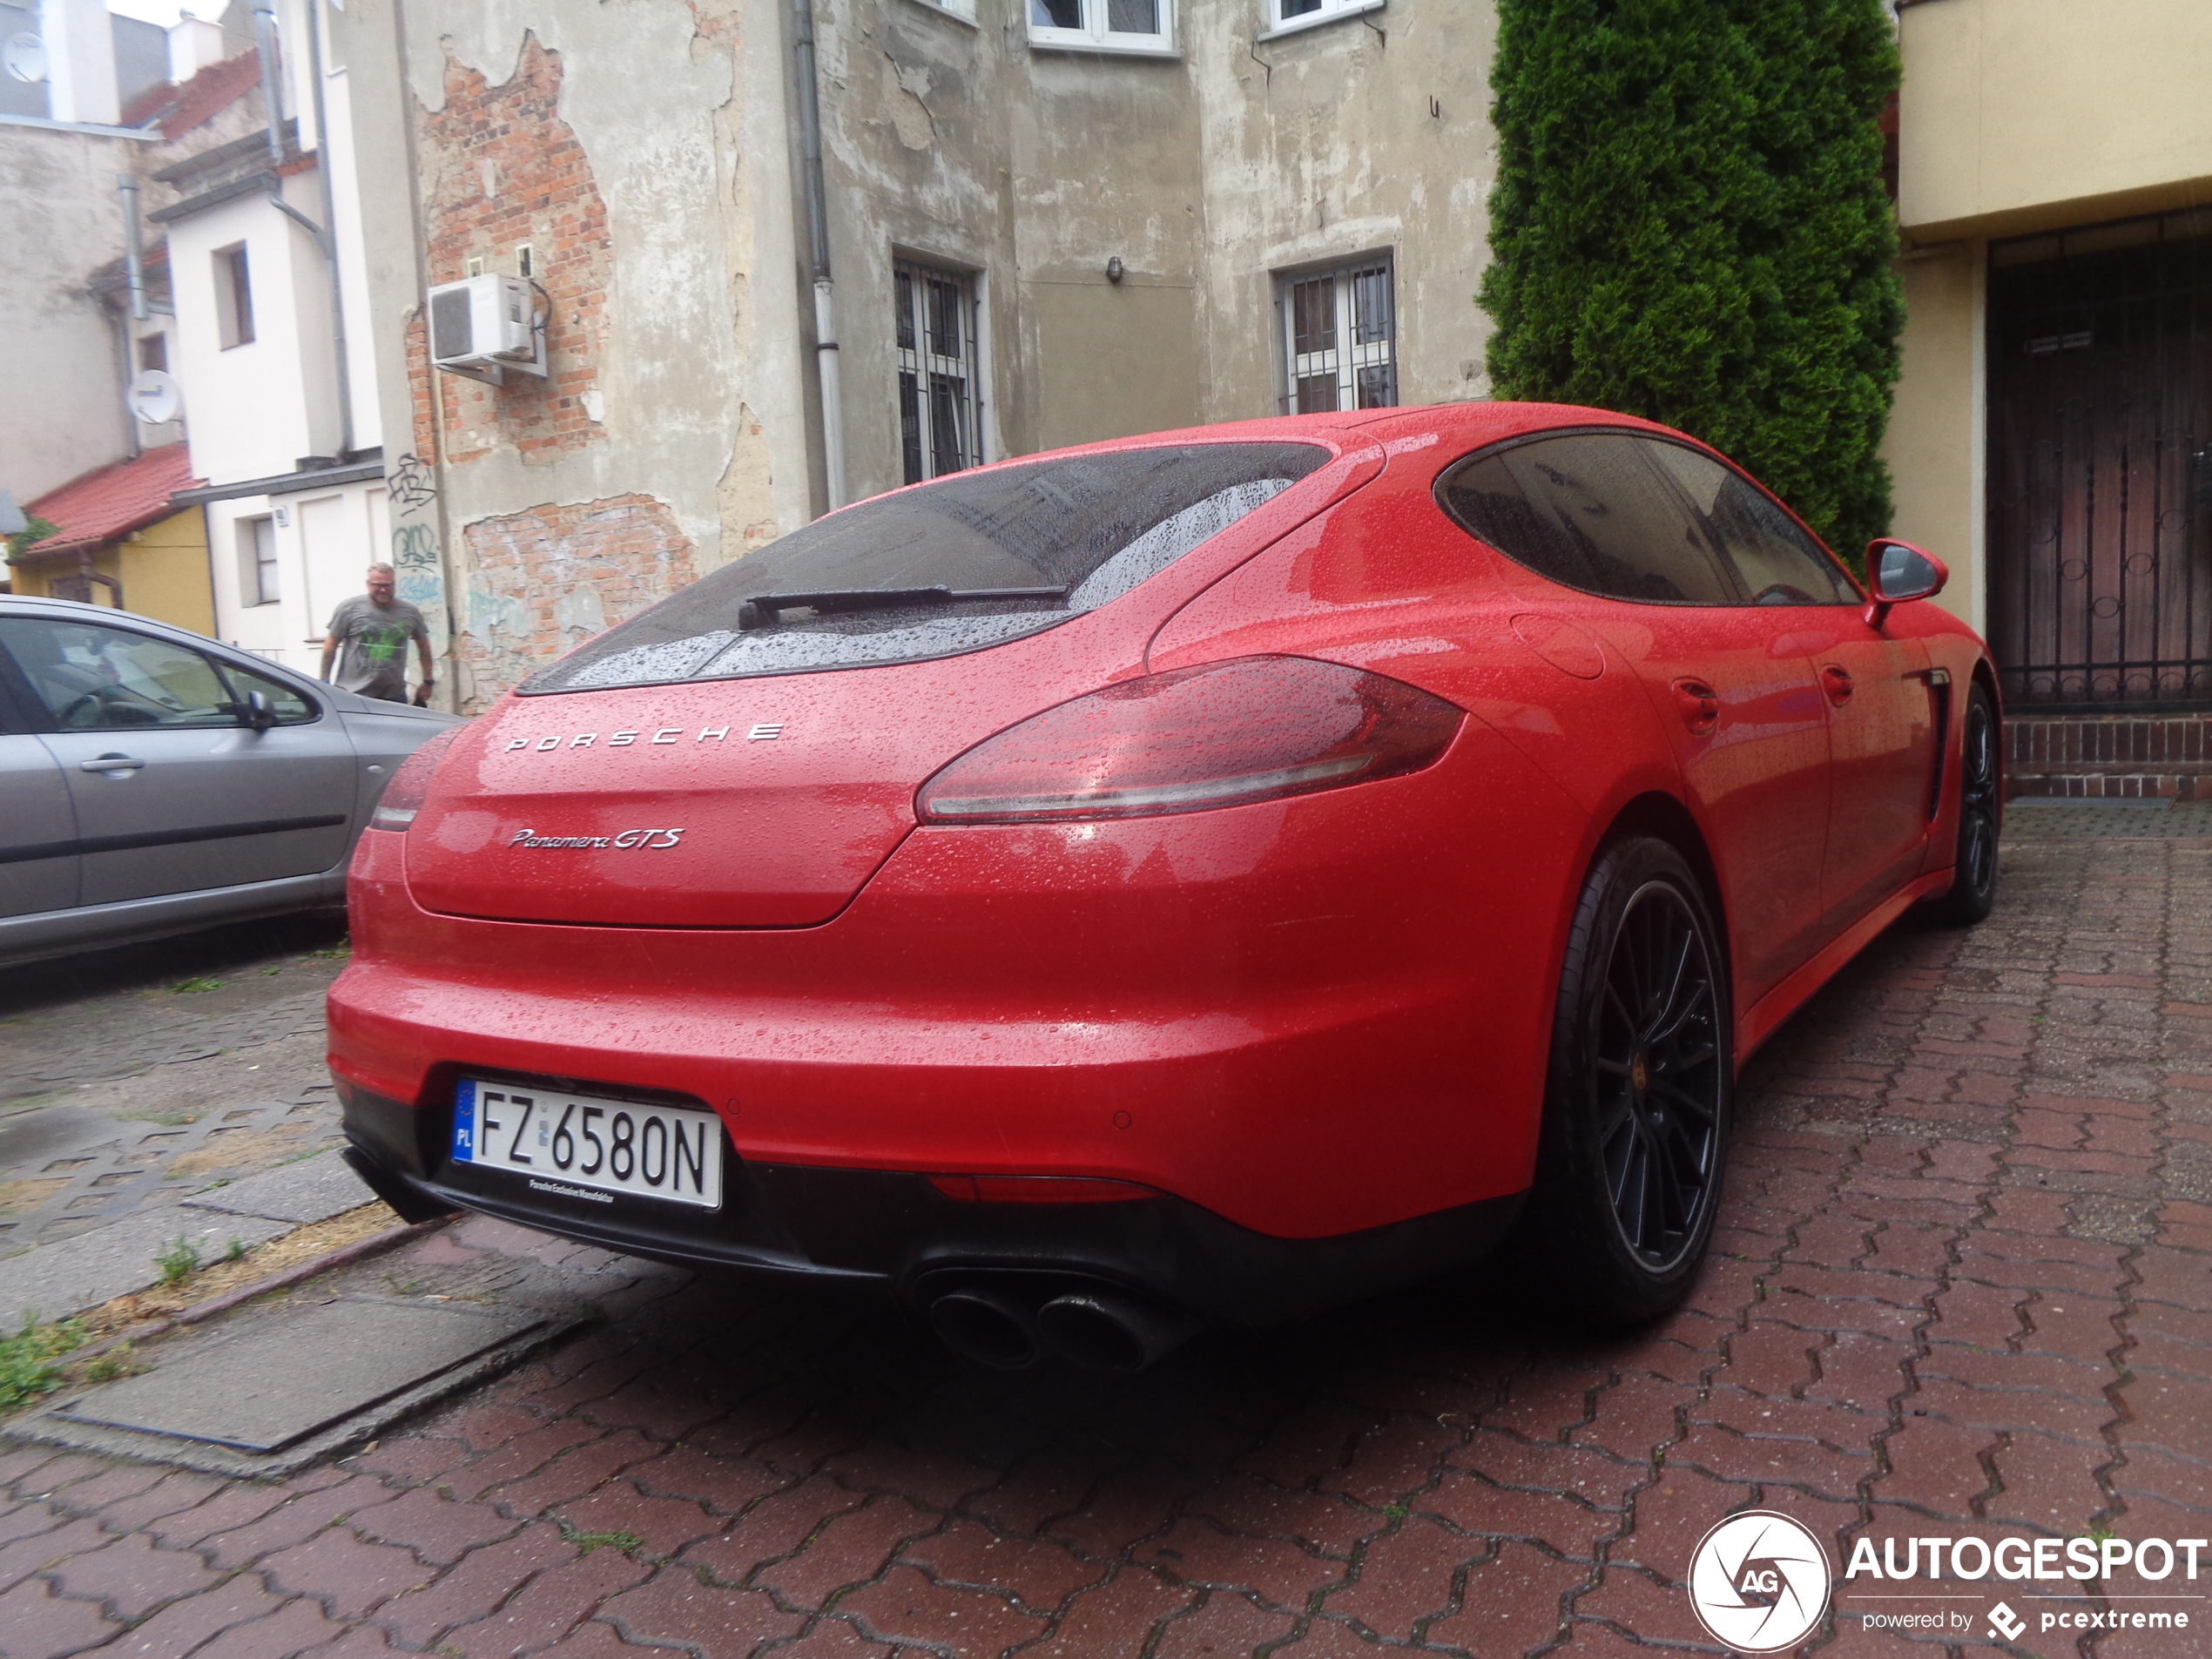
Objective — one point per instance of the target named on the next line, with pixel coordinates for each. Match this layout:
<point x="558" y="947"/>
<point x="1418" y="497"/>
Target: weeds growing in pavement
<point x="116" y="1362"/>
<point x="193" y="986"/>
<point x="235" y="1250"/>
<point x="27" y="1368"/>
<point x="178" y="1261"/>
<point x="627" y="1542"/>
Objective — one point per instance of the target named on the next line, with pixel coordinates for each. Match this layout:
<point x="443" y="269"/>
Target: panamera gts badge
<point x="767" y="731"/>
<point x="655" y="839"/>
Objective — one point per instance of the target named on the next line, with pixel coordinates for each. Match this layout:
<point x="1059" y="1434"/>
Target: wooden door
<point x="2100" y="482"/>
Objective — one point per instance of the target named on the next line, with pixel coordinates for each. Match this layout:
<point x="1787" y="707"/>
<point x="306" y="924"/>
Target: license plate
<point x="573" y="1146"/>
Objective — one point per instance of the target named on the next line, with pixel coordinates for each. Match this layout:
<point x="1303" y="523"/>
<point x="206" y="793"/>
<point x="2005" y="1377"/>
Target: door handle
<point x="1699" y="705"/>
<point x="1837" y="682"/>
<point x="111" y="763"/>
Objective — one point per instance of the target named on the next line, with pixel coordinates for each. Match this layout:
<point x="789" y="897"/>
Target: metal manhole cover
<point x="267" y="1387"/>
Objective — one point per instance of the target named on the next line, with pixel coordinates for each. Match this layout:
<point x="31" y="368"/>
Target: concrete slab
<point x="265" y="1388"/>
<point x="312" y="1189"/>
<point x="55" y="1280"/>
<point x="29" y="1138"/>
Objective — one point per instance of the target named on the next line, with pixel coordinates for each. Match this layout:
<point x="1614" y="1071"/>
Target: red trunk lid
<point x="766" y="801"/>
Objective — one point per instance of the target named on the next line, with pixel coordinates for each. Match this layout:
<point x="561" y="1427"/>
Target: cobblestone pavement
<point x="1960" y="1286"/>
<point x="130" y="1078"/>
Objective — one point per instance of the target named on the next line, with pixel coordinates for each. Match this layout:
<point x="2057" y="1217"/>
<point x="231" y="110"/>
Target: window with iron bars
<point x="937" y="401"/>
<point x="1340" y="338"/>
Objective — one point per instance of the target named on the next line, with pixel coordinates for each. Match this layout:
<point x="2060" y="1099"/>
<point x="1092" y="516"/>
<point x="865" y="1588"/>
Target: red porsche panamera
<point x="1205" y="877"/>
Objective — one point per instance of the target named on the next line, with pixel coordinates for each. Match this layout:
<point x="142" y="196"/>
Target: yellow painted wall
<point x="163" y="570"/>
<point x="2018" y="115"/>
<point x="1936" y="439"/>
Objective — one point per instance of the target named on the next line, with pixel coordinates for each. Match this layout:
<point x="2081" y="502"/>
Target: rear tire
<point x="1641" y="1092"/>
<point x="1973" y="887"/>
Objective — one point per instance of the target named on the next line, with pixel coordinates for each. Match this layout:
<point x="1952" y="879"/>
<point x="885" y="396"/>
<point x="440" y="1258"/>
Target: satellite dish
<point x="25" y="57"/>
<point x="155" y="398"/>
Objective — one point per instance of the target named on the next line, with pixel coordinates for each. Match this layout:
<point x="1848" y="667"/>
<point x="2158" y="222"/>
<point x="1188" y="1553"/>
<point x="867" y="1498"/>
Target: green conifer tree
<point x="1690" y="224"/>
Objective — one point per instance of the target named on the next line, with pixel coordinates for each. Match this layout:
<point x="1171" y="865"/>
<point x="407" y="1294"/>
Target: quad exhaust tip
<point x="1099" y="1330"/>
<point x="988" y="1326"/>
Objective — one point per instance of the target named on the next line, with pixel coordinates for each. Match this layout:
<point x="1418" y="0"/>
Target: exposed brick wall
<point x="502" y="168"/>
<point x="541" y="582"/>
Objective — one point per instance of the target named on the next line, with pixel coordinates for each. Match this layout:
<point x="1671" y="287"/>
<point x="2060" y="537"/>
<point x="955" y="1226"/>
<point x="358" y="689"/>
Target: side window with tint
<point x="90" y="677"/>
<point x="288" y="705"/>
<point x="1775" y="561"/>
<point x="1594" y="511"/>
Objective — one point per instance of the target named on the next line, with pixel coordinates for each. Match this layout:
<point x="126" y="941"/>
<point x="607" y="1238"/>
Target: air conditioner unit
<point x="483" y="325"/>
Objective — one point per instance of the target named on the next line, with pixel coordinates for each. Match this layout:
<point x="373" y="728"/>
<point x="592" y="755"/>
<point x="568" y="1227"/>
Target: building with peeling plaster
<point x="1044" y="222"/>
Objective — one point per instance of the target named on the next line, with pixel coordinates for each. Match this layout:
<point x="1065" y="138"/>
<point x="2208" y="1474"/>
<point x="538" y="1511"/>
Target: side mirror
<point x="257" y="714"/>
<point x="1898" y="572"/>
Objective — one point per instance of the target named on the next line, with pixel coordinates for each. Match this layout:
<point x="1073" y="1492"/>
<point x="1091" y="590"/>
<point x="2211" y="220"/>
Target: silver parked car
<point x="153" y="781"/>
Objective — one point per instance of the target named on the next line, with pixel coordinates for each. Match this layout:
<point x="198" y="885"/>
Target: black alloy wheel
<point x="1643" y="1079"/>
<point x="1973" y="887"/>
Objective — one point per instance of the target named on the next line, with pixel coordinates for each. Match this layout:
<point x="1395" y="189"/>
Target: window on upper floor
<point x="964" y="9"/>
<point x="233" y="297"/>
<point x="153" y="351"/>
<point x="939" y="405"/>
<point x="1286" y="16"/>
<point x="1339" y="330"/>
<point x="1145" y="26"/>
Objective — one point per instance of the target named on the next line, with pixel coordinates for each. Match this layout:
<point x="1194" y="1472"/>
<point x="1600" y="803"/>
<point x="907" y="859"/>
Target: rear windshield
<point x="953" y="566"/>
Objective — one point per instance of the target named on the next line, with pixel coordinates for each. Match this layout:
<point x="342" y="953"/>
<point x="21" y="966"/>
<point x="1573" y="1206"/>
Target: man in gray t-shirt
<point x="373" y="630"/>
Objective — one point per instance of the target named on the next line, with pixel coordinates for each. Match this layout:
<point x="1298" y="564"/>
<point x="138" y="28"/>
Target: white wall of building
<point x="324" y="542"/>
<point x="256" y="408"/>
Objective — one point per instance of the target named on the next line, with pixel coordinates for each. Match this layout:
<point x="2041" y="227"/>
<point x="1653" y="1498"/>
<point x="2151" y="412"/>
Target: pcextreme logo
<point x="1760" y="1580"/>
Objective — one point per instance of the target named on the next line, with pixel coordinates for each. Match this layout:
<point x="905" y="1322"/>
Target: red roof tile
<point x="182" y="108"/>
<point x="112" y="502"/>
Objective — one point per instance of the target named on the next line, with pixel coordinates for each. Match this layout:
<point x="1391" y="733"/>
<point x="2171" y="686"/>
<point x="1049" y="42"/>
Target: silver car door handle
<point x="111" y="763"/>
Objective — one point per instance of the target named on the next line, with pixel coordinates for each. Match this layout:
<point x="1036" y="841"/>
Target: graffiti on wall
<point x="409" y="481"/>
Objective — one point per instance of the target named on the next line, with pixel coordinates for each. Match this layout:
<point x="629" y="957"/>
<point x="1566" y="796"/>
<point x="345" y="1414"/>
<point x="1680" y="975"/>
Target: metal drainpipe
<point x="810" y="141"/>
<point x="271" y="89"/>
<point x="345" y="386"/>
<point x="119" y="329"/>
<point x="134" y="263"/>
<point x="134" y="271"/>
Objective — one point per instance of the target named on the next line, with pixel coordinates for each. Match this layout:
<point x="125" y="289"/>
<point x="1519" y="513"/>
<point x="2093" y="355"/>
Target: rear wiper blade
<point x="765" y="610"/>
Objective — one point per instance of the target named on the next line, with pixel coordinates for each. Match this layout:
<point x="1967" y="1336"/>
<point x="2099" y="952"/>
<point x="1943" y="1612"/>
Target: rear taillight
<point x="402" y="797"/>
<point x="1259" y="728"/>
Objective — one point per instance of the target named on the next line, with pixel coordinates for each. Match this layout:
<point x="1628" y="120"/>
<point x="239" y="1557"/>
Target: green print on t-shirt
<point x="381" y="644"/>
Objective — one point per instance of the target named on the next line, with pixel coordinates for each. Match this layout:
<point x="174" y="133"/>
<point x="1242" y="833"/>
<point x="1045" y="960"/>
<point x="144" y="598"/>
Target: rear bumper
<point x="891" y="1230"/>
<point x="1311" y="1019"/>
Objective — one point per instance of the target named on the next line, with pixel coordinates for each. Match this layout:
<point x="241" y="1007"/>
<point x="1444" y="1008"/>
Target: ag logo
<point x="1759" y="1581"/>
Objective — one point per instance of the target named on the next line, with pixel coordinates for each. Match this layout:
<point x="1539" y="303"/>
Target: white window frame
<point x="1328" y="11"/>
<point x="1095" y="36"/>
<point x="926" y="367"/>
<point x="261" y="579"/>
<point x="1348" y="355"/>
<point x="958" y="10"/>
